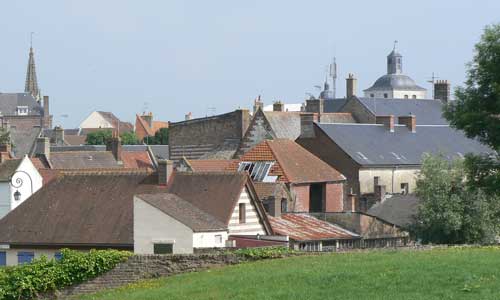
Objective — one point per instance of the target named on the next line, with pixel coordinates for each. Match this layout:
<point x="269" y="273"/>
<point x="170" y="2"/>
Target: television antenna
<point x="333" y="75"/>
<point x="432" y="80"/>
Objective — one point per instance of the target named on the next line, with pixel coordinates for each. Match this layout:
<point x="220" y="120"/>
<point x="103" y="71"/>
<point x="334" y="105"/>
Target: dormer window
<point x="22" y="110"/>
<point x="259" y="171"/>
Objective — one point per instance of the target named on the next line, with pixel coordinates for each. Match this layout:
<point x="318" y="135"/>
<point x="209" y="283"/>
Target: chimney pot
<point x="258" y="104"/>
<point x="387" y="121"/>
<point x="43" y="146"/>
<point x="188" y="116"/>
<point x="409" y="121"/>
<point x="351" y="85"/>
<point x="278" y="106"/>
<point x="442" y="90"/>
<point x="115" y="146"/>
<point x="165" y="169"/>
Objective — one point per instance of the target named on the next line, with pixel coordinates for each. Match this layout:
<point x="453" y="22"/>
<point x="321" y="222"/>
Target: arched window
<point x="414" y="96"/>
<point x="406" y="96"/>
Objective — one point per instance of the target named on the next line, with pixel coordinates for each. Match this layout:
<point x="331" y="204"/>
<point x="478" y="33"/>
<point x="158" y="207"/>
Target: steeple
<point x="31" y="85"/>
<point x="394" y="61"/>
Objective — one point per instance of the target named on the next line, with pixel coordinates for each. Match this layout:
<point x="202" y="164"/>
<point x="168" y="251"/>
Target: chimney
<point x="165" y="169"/>
<point x="188" y="116"/>
<point x="351" y="202"/>
<point x="278" y="106"/>
<point x="46" y="113"/>
<point x="58" y="135"/>
<point x="351" y="85"/>
<point x="307" y="124"/>
<point x="388" y="121"/>
<point x="315" y="105"/>
<point x="43" y="146"/>
<point x="257" y="103"/>
<point x="115" y="146"/>
<point x="442" y="90"/>
<point x="148" y="118"/>
<point x="409" y="121"/>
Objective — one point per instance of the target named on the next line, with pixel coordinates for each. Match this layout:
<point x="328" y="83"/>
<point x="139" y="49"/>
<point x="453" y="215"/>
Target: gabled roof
<point x="87" y="209"/>
<point x="10" y="101"/>
<point x="7" y="168"/>
<point x="23" y="140"/>
<point x="374" y="144"/>
<point x="184" y="212"/>
<point x="396" y="209"/>
<point x="303" y="227"/>
<point x="334" y="105"/>
<point x="285" y="125"/>
<point x="99" y="159"/>
<point x="428" y="111"/>
<point x="209" y="165"/>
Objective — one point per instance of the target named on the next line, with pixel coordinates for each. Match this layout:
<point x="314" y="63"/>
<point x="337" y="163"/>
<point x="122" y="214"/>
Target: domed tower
<point x="395" y="84"/>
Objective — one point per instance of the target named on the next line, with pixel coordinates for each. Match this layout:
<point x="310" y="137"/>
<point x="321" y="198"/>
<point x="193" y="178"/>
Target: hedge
<point x="47" y="275"/>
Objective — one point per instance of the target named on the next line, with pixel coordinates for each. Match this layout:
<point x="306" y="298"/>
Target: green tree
<point x="160" y="137"/>
<point x="99" y="137"/>
<point x="451" y="212"/>
<point x="476" y="110"/>
<point x="129" y="138"/>
<point x="4" y="136"/>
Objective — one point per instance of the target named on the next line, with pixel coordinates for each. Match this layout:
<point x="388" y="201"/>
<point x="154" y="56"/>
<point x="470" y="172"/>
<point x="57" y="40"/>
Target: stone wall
<point x="141" y="267"/>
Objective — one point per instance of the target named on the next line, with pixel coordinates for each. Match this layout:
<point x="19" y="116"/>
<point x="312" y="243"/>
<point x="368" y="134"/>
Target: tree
<point x="4" y="136"/>
<point x="99" y="137"/>
<point x="160" y="137"/>
<point x="129" y="138"/>
<point x="476" y="110"/>
<point x="450" y="211"/>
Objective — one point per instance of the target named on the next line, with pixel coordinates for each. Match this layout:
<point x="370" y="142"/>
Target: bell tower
<point x="394" y="61"/>
<point x="31" y="85"/>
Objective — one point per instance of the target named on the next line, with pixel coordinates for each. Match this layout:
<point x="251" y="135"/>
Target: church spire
<point x="31" y="85"/>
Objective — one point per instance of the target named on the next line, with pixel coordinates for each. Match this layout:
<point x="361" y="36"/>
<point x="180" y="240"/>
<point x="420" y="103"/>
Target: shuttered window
<point x="25" y="257"/>
<point x="3" y="259"/>
<point x="163" y="248"/>
<point x="243" y="213"/>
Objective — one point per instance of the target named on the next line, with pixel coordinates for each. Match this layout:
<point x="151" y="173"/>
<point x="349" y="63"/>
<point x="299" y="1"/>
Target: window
<point x="58" y="256"/>
<point x="218" y="239"/>
<point x="406" y="96"/>
<point x="414" y="96"/>
<point x="22" y="110"/>
<point x="284" y="205"/>
<point x="404" y="188"/>
<point x="163" y="248"/>
<point x="372" y="95"/>
<point x="3" y="259"/>
<point x="25" y="257"/>
<point x="257" y="170"/>
<point x="385" y="95"/>
<point x="243" y="213"/>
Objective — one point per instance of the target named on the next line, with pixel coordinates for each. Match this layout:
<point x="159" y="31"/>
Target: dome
<point x="395" y="82"/>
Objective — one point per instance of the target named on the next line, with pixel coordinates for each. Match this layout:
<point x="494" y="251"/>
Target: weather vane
<point x="31" y="39"/>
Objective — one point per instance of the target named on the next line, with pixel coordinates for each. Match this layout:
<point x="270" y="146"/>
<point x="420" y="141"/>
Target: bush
<point x="265" y="252"/>
<point x="46" y="275"/>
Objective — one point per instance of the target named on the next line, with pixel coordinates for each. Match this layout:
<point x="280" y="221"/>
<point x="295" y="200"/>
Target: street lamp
<point x="18" y="183"/>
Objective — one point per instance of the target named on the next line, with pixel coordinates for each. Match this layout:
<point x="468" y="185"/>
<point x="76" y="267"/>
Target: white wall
<point x="154" y="226"/>
<point x="252" y="225"/>
<point x="12" y="254"/>
<point x="95" y="120"/>
<point x="4" y="198"/>
<point x="27" y="185"/>
<point x="209" y="240"/>
<point x="389" y="177"/>
<point x="397" y="94"/>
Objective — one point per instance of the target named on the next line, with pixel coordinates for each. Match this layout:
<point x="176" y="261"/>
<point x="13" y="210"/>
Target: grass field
<point x="461" y="273"/>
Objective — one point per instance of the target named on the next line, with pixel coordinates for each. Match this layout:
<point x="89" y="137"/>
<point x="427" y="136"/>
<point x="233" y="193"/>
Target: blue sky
<point x="181" y="56"/>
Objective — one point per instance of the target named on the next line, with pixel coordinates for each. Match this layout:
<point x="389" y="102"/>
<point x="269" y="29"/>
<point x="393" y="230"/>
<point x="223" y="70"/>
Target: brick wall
<point x="334" y="200"/>
<point x="301" y="193"/>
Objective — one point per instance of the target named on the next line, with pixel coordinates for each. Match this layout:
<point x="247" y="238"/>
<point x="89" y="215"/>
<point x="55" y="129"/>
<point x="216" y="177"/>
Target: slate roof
<point x="226" y="150"/>
<point x="394" y="82"/>
<point x="285" y="125"/>
<point x="184" y="212"/>
<point x="98" y="159"/>
<point x="7" y="168"/>
<point x="427" y="111"/>
<point x="10" y="101"/>
<point x="83" y="210"/>
<point x="334" y="105"/>
<point x="339" y="117"/>
<point x="374" y="144"/>
<point x="396" y="209"/>
<point x="303" y="227"/>
<point x="23" y="140"/>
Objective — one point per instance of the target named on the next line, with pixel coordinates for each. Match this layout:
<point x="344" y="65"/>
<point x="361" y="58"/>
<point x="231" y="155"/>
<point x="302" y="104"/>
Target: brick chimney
<point x="388" y="121"/>
<point x="351" y="202"/>
<point x="148" y="118"/>
<point x="58" y="135"/>
<point x="442" y="90"/>
<point x="115" y="146"/>
<point x="188" y="116"/>
<point x="257" y="103"/>
<point x="410" y="122"/>
<point x="278" y="106"/>
<point x="46" y="112"/>
<point x="351" y="85"/>
<point x="307" y="124"/>
<point x="314" y="105"/>
<point x="43" y="147"/>
<point x="165" y="169"/>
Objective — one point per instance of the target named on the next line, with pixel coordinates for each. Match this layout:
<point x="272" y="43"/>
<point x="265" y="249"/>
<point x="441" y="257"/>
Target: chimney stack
<point x="58" y="135"/>
<point x="46" y="112"/>
<point x="278" y="106"/>
<point x="315" y="105"/>
<point x="388" y="121"/>
<point x="352" y="202"/>
<point x="188" y="116"/>
<point x="409" y="121"/>
<point x="257" y="104"/>
<point x="442" y="90"/>
<point x="148" y="118"/>
<point x="351" y="85"/>
<point x="43" y="146"/>
<point x="307" y="124"/>
<point x="165" y="169"/>
<point x="115" y="146"/>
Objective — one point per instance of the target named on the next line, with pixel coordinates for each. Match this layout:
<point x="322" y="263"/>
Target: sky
<point x="205" y="57"/>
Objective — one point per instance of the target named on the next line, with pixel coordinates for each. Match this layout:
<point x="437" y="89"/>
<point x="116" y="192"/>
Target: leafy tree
<point x="4" y="136"/>
<point x="129" y="138"/>
<point x="476" y="110"/>
<point x="99" y="137"/>
<point x="160" y="137"/>
<point x="450" y="211"/>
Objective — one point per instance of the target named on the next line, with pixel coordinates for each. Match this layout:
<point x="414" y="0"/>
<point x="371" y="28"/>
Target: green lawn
<point x="472" y="273"/>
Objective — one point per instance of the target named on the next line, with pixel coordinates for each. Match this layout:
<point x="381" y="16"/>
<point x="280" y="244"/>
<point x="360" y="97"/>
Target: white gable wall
<point x="27" y="180"/>
<point x="253" y="225"/>
<point x="96" y="120"/>
<point x="212" y="239"/>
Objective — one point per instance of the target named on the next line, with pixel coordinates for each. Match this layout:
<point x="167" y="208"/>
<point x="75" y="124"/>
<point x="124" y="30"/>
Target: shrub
<point x="265" y="252"/>
<point x="46" y="275"/>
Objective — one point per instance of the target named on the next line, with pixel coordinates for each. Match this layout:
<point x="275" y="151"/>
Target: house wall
<point x="334" y="198"/>
<point x="11" y="254"/>
<point x="25" y="188"/>
<point x="253" y="225"/>
<point x="95" y="120"/>
<point x="391" y="177"/>
<point x="301" y="195"/>
<point x="208" y="239"/>
<point x="397" y="94"/>
<point x="22" y="123"/>
<point x="152" y="225"/>
<point x="359" y="111"/>
<point x="4" y="199"/>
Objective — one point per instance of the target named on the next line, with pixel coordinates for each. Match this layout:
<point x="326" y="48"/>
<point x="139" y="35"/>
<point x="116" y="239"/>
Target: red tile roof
<point x="210" y="165"/>
<point x="303" y="227"/>
<point x="137" y="160"/>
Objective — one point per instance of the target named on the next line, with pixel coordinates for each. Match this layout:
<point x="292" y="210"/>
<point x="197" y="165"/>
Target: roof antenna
<point x="395" y="44"/>
<point x="432" y="80"/>
<point x="333" y="75"/>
